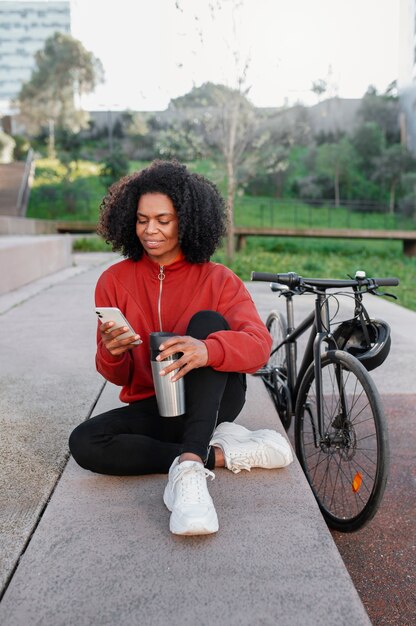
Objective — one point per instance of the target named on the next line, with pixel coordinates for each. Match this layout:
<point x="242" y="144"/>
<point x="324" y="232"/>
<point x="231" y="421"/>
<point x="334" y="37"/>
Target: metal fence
<point x="294" y="213"/>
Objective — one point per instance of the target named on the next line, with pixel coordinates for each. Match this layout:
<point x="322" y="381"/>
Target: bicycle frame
<point x="318" y="321"/>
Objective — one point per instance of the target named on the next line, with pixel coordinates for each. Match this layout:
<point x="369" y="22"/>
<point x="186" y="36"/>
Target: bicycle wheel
<point x="348" y="468"/>
<point x="275" y="373"/>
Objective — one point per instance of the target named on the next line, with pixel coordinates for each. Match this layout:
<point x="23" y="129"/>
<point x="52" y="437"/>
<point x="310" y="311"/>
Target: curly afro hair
<point x="199" y="206"/>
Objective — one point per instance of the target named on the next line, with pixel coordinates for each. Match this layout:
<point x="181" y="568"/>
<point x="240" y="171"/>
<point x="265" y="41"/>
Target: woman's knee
<point x="206" y="322"/>
<point x="80" y="446"/>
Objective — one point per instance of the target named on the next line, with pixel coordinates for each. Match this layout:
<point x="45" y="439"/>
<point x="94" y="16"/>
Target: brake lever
<point x="383" y="293"/>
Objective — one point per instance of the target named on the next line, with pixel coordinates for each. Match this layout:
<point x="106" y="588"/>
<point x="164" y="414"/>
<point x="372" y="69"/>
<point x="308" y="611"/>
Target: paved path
<point x="381" y="558"/>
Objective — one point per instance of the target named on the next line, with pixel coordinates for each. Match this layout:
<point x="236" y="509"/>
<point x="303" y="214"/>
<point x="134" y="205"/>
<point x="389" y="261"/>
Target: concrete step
<point x="25" y="259"/>
<point x="11" y="225"/>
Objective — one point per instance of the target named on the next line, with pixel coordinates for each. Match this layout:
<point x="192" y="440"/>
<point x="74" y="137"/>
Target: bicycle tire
<point x="275" y="373"/>
<point x="348" y="469"/>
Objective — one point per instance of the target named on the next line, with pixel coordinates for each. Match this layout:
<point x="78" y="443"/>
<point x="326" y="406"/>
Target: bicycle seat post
<point x="322" y="313"/>
<point x="291" y="346"/>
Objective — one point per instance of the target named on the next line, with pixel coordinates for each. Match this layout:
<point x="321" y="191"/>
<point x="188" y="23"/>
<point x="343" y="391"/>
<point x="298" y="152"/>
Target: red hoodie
<point x="155" y="298"/>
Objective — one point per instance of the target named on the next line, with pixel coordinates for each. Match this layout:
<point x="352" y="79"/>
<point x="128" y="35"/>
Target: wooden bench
<point x="242" y="232"/>
<point x="407" y="236"/>
<point x="75" y="227"/>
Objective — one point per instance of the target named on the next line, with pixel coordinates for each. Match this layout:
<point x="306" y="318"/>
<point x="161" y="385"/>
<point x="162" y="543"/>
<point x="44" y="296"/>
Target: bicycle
<point x="341" y="437"/>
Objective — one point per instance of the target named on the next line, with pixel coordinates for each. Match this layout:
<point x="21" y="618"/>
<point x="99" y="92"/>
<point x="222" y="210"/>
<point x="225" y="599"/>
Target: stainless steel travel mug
<point x="170" y="396"/>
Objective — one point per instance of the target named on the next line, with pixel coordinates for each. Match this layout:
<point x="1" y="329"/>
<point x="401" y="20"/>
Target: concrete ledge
<point x="103" y="553"/>
<point x="26" y="226"/>
<point x="25" y="259"/>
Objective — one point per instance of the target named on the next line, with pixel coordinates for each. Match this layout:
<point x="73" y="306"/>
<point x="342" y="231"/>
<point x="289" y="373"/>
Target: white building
<point x="406" y="80"/>
<point x="24" y="27"/>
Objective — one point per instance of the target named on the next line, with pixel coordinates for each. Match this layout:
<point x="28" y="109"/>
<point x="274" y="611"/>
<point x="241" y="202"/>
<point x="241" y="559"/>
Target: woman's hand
<point x="109" y="337"/>
<point x="195" y="354"/>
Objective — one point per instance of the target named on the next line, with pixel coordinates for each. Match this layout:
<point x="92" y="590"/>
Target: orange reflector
<point x="357" y="481"/>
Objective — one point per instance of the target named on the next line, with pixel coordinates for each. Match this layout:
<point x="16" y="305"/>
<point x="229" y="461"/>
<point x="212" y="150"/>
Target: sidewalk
<point x="99" y="550"/>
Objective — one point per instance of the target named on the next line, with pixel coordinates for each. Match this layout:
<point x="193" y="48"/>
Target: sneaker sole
<point x="196" y="527"/>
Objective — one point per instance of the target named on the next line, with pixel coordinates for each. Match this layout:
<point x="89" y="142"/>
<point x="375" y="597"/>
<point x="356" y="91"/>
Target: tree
<point x="319" y="87"/>
<point x="336" y="160"/>
<point x="390" y="166"/>
<point x="179" y="140"/>
<point x="64" y="71"/>
<point x="229" y="127"/>
<point x="114" y="167"/>
<point x="384" y="111"/>
<point x="227" y="130"/>
<point x="231" y="132"/>
<point x="369" y="142"/>
<point x="206" y="95"/>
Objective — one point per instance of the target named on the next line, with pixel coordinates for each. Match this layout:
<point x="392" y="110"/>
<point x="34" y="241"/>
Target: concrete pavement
<point x="99" y="551"/>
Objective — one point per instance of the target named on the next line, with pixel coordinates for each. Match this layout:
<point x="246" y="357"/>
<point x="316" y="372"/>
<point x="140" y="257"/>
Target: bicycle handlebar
<point x="293" y="280"/>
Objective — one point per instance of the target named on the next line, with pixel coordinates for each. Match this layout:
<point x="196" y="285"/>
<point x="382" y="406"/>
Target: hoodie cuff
<point x="215" y="352"/>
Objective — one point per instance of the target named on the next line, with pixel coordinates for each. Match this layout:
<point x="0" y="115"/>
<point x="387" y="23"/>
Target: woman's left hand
<point x="195" y="354"/>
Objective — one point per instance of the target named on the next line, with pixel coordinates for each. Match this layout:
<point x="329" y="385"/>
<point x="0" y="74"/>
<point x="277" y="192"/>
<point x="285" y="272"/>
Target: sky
<point x="155" y="50"/>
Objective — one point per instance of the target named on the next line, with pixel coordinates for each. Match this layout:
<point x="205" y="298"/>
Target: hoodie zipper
<point x="161" y="277"/>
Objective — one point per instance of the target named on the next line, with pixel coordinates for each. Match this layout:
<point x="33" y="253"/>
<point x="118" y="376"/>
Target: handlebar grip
<point x="386" y="282"/>
<point x="267" y="277"/>
<point x="290" y="279"/>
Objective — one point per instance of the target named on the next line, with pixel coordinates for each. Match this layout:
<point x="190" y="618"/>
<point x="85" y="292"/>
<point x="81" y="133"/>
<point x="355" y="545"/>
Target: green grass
<point x="328" y="258"/>
<point x="90" y="244"/>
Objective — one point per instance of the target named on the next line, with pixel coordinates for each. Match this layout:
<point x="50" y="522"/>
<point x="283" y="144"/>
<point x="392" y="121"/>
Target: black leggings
<point x="135" y="439"/>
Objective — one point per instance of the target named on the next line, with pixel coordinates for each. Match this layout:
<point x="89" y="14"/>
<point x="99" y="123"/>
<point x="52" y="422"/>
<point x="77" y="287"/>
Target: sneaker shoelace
<point x="193" y="484"/>
<point x="252" y="457"/>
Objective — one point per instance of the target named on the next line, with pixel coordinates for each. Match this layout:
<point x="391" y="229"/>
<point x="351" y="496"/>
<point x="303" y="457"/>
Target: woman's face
<point x="157" y="227"/>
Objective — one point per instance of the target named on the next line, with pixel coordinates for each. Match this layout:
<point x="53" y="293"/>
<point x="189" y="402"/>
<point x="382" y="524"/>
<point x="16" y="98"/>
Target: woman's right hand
<point x="109" y="337"/>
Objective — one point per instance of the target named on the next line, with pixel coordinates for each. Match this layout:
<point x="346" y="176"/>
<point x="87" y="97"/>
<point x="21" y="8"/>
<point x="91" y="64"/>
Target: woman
<point x="167" y="222"/>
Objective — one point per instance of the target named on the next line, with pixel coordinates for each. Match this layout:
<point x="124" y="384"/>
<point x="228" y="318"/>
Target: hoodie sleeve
<point x="246" y="346"/>
<point x="115" y="369"/>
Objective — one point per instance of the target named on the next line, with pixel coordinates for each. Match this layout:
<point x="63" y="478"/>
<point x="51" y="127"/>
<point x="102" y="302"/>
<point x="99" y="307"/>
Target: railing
<point x="294" y="213"/>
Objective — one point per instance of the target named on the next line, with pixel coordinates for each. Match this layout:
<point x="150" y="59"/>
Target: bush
<point x="115" y="166"/>
<point x="21" y="147"/>
<point x="314" y="188"/>
<point x="91" y="244"/>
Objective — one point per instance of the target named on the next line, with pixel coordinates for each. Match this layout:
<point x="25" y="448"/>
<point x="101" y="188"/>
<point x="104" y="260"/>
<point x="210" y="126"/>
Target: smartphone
<point x="112" y="314"/>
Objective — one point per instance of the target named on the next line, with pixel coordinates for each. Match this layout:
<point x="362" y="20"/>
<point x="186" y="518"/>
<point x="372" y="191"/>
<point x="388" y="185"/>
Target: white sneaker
<point x="244" y="449"/>
<point x="187" y="496"/>
<point x="238" y="431"/>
